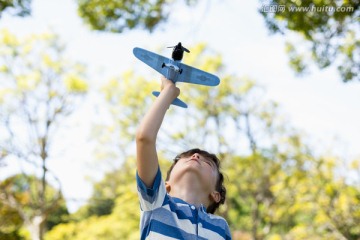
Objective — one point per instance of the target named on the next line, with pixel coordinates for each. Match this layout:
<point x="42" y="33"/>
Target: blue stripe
<point x="218" y="228"/>
<point x="164" y="213"/>
<point x="170" y="231"/>
<point x="182" y="212"/>
<point x="145" y="232"/>
<point x="149" y="194"/>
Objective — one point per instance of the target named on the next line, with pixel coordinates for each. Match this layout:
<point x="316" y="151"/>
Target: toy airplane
<point x="174" y="70"/>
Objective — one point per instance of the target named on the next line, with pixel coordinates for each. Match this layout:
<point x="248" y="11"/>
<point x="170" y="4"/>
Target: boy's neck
<point x="190" y="190"/>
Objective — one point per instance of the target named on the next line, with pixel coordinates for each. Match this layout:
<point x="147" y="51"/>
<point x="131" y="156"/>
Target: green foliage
<point x="59" y="215"/>
<point x="109" y="15"/>
<point x="329" y="28"/>
<point x="122" y="223"/>
<point x="116" y="16"/>
<point x="102" y="201"/>
<point x="34" y="67"/>
<point x="10" y="223"/>
<point x="22" y="189"/>
<point x="297" y="61"/>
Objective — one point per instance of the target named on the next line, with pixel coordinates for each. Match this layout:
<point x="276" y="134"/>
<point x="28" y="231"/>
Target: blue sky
<point x="319" y="104"/>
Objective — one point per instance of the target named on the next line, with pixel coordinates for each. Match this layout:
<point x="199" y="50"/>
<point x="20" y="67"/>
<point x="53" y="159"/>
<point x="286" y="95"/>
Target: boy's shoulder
<point x="217" y="218"/>
<point x="219" y="224"/>
<point x="214" y="216"/>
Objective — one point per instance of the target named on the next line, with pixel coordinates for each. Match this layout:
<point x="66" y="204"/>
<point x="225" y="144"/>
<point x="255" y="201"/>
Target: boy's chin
<point x="191" y="174"/>
<point x="191" y="169"/>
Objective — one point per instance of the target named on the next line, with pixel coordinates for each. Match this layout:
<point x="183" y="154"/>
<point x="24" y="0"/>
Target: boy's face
<point x="204" y="168"/>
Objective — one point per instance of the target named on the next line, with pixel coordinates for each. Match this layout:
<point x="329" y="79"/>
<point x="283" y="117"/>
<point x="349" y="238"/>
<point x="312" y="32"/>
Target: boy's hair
<point x="219" y="183"/>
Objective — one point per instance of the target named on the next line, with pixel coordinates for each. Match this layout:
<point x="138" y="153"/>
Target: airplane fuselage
<point x="172" y="70"/>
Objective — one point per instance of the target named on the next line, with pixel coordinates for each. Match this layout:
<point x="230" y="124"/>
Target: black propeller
<point x="178" y="52"/>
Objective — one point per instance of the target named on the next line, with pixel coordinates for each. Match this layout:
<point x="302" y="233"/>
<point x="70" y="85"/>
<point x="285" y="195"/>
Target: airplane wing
<point x="196" y="76"/>
<point x="152" y="59"/>
<point x="188" y="74"/>
<point x="176" y="101"/>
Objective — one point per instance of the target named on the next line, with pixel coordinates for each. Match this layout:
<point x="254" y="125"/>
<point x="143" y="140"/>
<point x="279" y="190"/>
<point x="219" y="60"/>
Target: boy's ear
<point x="215" y="196"/>
<point x="167" y="186"/>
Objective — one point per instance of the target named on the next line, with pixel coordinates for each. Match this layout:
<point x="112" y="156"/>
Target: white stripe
<point x="183" y="224"/>
<point x="182" y="204"/>
<point x="208" y="234"/>
<point x="159" y="199"/>
<point x="212" y="216"/>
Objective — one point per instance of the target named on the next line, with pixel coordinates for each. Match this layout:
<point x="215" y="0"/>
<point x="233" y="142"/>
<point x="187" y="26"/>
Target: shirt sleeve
<point x="151" y="198"/>
<point x="228" y="233"/>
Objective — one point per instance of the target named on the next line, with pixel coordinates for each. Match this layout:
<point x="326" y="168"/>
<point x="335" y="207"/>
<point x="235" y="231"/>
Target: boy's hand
<point x="168" y="85"/>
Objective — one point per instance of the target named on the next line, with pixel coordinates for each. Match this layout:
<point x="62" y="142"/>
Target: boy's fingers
<point x="163" y="79"/>
<point x="168" y="83"/>
<point x="164" y="82"/>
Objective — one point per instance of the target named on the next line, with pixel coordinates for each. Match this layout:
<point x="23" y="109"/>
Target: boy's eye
<point x="208" y="162"/>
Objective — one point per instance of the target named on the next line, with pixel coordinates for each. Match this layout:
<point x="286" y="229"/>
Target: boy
<point x="182" y="207"/>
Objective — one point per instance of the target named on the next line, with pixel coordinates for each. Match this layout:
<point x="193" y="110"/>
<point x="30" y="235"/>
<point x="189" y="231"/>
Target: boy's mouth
<point x="194" y="159"/>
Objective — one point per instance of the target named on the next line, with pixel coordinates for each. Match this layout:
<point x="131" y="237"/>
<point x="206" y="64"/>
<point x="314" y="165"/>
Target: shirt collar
<point x="179" y="200"/>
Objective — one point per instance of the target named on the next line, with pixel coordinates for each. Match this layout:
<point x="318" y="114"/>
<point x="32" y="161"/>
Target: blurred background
<point x="284" y="119"/>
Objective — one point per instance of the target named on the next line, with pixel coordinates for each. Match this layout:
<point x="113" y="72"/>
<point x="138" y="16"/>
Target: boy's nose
<point x="196" y="155"/>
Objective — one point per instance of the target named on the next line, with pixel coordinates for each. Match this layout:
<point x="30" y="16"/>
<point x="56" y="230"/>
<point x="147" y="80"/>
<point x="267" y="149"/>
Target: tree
<point x="329" y="28"/>
<point x="117" y="16"/>
<point x="10" y="222"/>
<point x="112" y="16"/>
<point x="22" y="189"/>
<point x="39" y="88"/>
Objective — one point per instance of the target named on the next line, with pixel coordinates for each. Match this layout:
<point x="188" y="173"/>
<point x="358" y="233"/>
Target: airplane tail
<point x="176" y="102"/>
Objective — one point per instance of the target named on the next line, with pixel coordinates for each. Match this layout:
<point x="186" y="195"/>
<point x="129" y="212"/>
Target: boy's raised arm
<point x="147" y="159"/>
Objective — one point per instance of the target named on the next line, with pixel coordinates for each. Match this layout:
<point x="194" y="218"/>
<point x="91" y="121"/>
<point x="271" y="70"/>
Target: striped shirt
<point x="167" y="218"/>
